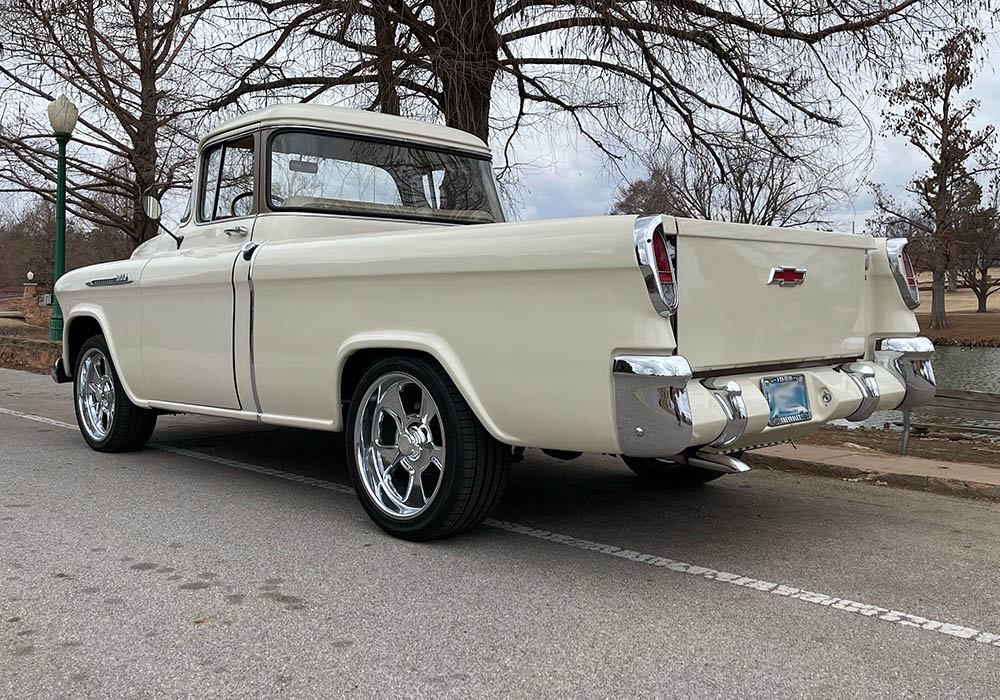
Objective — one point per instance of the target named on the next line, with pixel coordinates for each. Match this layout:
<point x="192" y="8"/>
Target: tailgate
<point x="730" y="316"/>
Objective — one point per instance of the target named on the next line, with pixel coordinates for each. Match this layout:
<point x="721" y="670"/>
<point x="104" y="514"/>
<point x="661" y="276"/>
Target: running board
<point x="718" y="463"/>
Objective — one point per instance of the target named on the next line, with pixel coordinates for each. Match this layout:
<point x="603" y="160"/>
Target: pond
<point x="955" y="367"/>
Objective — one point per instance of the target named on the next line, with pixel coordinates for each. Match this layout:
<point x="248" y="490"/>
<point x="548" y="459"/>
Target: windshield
<point x="316" y="171"/>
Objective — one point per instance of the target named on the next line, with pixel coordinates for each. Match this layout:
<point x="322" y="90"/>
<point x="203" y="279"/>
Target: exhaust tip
<point x="718" y="462"/>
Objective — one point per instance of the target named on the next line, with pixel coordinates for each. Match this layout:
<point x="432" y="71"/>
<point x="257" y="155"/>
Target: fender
<point x="431" y="344"/>
<point x="90" y="310"/>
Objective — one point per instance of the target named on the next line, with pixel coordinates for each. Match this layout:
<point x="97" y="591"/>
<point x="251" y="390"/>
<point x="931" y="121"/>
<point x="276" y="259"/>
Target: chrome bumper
<point x="652" y="406"/>
<point x="909" y="359"/>
<point x="58" y="373"/>
<point x="662" y="411"/>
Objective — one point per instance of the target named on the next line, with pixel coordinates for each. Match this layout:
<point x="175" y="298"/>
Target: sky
<point x="562" y="175"/>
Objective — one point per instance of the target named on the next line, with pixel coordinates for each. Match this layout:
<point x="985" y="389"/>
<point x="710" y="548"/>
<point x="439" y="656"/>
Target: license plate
<point x="787" y="398"/>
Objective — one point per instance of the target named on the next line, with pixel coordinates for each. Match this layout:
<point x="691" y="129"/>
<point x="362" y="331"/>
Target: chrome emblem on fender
<point x="122" y="278"/>
<point x="786" y="276"/>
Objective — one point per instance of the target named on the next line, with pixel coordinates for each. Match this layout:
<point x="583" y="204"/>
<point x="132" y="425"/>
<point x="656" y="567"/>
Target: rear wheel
<point x="422" y="464"/>
<point x="109" y="421"/>
<point x="665" y="474"/>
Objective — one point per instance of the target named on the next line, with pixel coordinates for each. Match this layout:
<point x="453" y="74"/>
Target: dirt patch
<point x="945" y="447"/>
<point x="964" y="328"/>
<point x="19" y="329"/>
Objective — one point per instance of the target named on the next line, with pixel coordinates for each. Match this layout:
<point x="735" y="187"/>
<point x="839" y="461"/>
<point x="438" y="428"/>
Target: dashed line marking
<point x="889" y="615"/>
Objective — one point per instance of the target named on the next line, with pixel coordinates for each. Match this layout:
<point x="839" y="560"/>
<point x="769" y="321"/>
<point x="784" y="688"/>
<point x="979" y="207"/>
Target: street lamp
<point x="62" y="117"/>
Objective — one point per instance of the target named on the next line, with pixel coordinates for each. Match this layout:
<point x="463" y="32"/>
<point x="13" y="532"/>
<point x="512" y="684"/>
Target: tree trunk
<point x="981" y="288"/>
<point x="387" y="100"/>
<point x="938" y="318"/>
<point x="952" y="280"/>
<point x="467" y="62"/>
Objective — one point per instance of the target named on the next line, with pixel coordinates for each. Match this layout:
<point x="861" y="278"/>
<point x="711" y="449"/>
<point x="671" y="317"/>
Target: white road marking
<point x="39" y="419"/>
<point x="896" y="617"/>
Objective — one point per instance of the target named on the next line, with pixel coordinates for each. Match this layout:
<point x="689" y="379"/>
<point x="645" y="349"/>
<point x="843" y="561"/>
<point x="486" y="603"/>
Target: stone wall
<point x="29" y="354"/>
<point x="31" y="304"/>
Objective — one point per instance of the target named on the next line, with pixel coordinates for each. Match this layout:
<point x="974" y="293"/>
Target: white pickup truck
<point x="348" y="271"/>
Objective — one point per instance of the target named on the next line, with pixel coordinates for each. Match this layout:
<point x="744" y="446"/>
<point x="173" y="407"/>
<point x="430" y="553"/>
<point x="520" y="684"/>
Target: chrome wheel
<point x="95" y="394"/>
<point x="399" y="445"/>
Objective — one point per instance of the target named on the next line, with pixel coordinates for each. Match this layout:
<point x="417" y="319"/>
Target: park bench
<point x="973" y="404"/>
<point x="12" y="314"/>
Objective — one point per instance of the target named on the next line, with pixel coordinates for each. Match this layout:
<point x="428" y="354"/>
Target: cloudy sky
<point x="569" y="179"/>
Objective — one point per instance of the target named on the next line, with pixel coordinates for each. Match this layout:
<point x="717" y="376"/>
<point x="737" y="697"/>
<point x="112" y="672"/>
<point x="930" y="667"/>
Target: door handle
<point x="236" y="231"/>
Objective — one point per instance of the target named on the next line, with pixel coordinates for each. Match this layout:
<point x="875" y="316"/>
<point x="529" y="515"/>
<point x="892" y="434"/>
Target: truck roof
<point x="354" y="121"/>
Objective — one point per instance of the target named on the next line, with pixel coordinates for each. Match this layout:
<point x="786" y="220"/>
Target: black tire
<point x="130" y="427"/>
<point x="668" y="475"/>
<point x="472" y="480"/>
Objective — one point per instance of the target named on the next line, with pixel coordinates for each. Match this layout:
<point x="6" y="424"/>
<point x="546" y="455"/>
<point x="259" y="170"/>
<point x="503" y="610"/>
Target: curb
<point x="912" y="482"/>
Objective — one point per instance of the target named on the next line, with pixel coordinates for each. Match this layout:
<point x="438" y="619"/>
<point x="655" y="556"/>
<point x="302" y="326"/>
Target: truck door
<point x="187" y="294"/>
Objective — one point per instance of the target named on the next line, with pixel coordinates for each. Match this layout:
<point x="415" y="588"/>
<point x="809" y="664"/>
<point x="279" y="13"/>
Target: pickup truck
<point x="347" y="271"/>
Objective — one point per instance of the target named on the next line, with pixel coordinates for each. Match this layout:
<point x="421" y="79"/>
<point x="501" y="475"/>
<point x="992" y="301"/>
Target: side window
<point x="227" y="180"/>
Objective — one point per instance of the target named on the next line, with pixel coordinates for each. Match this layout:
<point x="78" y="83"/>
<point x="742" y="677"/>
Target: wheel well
<point x="80" y="329"/>
<point x="359" y="362"/>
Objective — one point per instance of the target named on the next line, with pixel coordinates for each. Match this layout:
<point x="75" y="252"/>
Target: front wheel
<point x="664" y="474"/>
<point x="422" y="464"/>
<point x="109" y="421"/>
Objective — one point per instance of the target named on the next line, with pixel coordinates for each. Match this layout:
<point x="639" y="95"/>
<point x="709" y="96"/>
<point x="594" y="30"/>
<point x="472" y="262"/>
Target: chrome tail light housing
<point x="902" y="270"/>
<point x="656" y="253"/>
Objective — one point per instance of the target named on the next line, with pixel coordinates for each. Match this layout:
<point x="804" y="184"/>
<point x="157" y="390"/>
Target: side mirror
<point x="151" y="205"/>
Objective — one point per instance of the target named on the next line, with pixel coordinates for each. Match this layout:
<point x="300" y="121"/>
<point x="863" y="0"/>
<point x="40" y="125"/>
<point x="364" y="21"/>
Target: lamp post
<point x="62" y="117"/>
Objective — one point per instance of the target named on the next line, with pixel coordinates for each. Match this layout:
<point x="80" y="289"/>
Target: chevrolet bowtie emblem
<point x="785" y="276"/>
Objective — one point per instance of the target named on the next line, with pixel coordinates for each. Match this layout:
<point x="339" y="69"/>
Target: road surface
<point x="231" y="560"/>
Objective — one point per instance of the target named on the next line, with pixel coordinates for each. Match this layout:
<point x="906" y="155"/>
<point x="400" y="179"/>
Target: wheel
<point x="664" y="474"/>
<point x="108" y="420"/>
<point x="422" y="464"/>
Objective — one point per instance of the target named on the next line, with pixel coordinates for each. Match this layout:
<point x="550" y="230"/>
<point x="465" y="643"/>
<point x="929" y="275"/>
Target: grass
<point x="965" y="325"/>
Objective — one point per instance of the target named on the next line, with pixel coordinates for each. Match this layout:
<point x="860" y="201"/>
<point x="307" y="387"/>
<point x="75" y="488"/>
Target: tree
<point x="129" y="65"/>
<point x="978" y="249"/>
<point x="27" y="240"/>
<point x="620" y="72"/>
<point x="927" y="111"/>
<point x="755" y="185"/>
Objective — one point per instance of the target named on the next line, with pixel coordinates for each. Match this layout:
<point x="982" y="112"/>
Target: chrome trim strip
<point x="123" y="278"/>
<point x="253" y="370"/>
<point x="909" y="359"/>
<point x="894" y="250"/>
<point x="664" y="301"/>
<point x="863" y="377"/>
<point x="730" y="397"/>
<point x="652" y="406"/>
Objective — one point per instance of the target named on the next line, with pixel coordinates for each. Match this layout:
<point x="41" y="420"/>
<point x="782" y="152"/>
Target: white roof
<point x="355" y="121"/>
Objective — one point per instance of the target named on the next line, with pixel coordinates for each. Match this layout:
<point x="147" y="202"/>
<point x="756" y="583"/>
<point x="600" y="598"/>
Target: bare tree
<point x="755" y="185"/>
<point x="977" y="249"/>
<point x="927" y="111"/>
<point x="620" y="72"/>
<point x="129" y="64"/>
<point x="27" y="240"/>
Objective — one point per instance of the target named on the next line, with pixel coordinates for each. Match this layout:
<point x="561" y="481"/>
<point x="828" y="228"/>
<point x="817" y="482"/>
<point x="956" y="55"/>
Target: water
<point x="955" y="367"/>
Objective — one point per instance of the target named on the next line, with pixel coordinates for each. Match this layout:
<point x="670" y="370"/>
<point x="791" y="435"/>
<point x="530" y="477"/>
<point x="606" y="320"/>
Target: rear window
<point x="338" y="174"/>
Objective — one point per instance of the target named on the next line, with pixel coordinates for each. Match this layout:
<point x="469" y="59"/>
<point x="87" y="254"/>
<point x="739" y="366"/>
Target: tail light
<point x="902" y="270"/>
<point x="657" y="255"/>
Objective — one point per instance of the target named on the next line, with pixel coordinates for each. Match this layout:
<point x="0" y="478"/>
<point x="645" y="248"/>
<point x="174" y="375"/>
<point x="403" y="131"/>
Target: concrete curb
<point x="931" y="484"/>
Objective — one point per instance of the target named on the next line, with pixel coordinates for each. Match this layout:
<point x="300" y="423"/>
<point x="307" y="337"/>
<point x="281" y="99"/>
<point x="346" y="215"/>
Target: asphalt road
<point x="232" y="561"/>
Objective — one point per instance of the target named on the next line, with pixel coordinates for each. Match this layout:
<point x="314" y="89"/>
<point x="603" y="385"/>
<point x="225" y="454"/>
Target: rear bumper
<point x="662" y="410"/>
